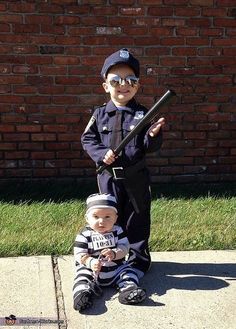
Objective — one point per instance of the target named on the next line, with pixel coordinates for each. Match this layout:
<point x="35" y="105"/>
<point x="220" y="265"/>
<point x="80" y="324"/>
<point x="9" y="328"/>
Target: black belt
<point x="125" y="172"/>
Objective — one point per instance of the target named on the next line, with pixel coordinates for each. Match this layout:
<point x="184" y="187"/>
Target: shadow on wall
<point x="57" y="191"/>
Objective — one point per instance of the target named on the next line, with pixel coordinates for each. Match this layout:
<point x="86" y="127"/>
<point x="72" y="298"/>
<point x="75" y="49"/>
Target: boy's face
<point x="122" y="93"/>
<point x="101" y="220"/>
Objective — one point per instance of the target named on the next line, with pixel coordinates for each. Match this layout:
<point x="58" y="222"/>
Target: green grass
<point x="193" y="224"/>
<point x="38" y="219"/>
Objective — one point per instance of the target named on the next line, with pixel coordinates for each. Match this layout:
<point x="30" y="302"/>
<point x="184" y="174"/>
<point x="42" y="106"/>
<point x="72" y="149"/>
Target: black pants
<point x="135" y="224"/>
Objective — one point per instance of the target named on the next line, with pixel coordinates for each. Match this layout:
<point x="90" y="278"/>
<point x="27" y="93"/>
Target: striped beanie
<point x="101" y="201"/>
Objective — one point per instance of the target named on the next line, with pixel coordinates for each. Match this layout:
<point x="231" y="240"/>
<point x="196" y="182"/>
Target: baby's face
<point x="101" y="220"/>
<point x="121" y="94"/>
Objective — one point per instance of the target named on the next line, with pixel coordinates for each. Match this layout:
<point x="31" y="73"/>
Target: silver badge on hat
<point x="124" y="53"/>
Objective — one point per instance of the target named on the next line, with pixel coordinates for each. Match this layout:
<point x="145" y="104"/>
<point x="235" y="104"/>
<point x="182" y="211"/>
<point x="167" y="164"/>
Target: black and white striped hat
<point x="101" y="201"/>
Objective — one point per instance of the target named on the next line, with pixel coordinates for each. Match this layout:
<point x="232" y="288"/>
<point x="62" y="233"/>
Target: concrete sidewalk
<point x="186" y="290"/>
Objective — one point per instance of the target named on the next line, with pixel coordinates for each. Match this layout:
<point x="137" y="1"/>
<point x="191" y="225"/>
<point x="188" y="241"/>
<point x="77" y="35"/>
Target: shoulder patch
<point x="90" y="123"/>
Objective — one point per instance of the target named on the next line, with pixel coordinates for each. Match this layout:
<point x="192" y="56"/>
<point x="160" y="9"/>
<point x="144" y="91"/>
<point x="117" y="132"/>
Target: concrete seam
<point x="59" y="294"/>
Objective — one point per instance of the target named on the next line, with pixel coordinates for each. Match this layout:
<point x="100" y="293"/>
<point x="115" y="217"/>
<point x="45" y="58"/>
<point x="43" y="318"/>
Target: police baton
<point x="149" y="116"/>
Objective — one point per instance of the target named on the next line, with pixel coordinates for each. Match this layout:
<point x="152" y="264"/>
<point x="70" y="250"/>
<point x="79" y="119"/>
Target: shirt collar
<point x="131" y="106"/>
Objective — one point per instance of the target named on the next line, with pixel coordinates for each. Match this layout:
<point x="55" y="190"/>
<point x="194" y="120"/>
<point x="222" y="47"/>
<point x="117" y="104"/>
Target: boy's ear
<point x="105" y="86"/>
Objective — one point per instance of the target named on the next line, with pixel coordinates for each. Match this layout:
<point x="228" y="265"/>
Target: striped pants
<point x="120" y="277"/>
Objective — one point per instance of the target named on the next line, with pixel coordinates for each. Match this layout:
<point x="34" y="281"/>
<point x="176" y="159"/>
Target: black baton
<point x="142" y="123"/>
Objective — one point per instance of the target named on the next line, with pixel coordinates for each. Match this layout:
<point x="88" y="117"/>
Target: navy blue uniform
<point x="128" y="177"/>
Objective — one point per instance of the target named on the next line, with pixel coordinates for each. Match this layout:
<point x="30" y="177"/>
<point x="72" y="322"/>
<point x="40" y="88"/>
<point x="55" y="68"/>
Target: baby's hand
<point x="109" y="157"/>
<point x="96" y="265"/>
<point x="109" y="254"/>
<point x="155" y="128"/>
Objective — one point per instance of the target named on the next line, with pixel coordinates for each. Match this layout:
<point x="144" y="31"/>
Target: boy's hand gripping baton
<point x="149" y="116"/>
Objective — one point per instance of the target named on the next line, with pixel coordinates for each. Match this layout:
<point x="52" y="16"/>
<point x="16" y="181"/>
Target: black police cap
<point x="122" y="56"/>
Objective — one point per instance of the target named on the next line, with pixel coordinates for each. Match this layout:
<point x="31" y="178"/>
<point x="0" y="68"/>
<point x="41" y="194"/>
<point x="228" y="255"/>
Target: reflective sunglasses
<point x="130" y="80"/>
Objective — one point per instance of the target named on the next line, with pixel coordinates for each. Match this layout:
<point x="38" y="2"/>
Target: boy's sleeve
<point x="153" y="144"/>
<point x="91" y="141"/>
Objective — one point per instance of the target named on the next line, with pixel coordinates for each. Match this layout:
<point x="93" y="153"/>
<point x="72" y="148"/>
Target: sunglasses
<point x="130" y="80"/>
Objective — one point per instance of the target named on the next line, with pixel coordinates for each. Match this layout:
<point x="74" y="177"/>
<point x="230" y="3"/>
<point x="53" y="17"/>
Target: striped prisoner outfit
<point x="116" y="272"/>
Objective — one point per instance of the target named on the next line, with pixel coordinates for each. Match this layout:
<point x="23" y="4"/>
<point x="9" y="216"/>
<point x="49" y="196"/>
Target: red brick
<point x="15" y="137"/>
<point x="26" y="28"/>
<point x="57" y="163"/>
<point x="174" y="41"/>
<point x="24" y="89"/>
<point x="158" y="11"/>
<point x="24" y="49"/>
<point x="186" y="31"/>
<point x="70" y="9"/>
<point x="34" y="146"/>
<point x="42" y="155"/>
<point x="68" y="80"/>
<point x="226" y="22"/>
<point x="57" y="146"/>
<point x="37" y="99"/>
<point x="198" y="22"/>
<point x="64" y="100"/>
<point x="53" y="29"/>
<point x="38" y="19"/>
<point x="11" y="99"/>
<point x="173" y="22"/>
<point x="39" y="60"/>
<point x="104" y="11"/>
<point x="28" y="128"/>
<point x="43" y="137"/>
<point x="16" y="155"/>
<point x="22" y="69"/>
<point x="188" y="12"/>
<point x="133" y="11"/>
<point x="67" y="20"/>
<point x="207" y="3"/>
<point x="183" y="51"/>
<point x="22" y="7"/>
<point x="53" y="70"/>
<point x="52" y="90"/>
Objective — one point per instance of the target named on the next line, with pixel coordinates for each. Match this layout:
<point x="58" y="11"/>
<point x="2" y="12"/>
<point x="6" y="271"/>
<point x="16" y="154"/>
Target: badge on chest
<point x="101" y="241"/>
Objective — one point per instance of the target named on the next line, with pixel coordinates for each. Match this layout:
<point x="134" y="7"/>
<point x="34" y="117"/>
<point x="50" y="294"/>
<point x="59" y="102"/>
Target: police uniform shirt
<point x="96" y="139"/>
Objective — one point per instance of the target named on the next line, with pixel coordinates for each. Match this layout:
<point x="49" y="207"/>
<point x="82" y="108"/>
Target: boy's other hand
<point x="155" y="127"/>
<point x="109" y="157"/>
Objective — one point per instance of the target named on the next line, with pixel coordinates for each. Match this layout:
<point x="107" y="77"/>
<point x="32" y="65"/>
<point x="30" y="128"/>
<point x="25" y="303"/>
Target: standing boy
<point x="126" y="177"/>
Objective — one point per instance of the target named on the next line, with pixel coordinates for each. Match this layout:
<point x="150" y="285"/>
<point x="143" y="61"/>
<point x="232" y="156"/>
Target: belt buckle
<point x="118" y="172"/>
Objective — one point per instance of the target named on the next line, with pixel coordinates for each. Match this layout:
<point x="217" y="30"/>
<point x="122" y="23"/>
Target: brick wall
<point x="51" y="55"/>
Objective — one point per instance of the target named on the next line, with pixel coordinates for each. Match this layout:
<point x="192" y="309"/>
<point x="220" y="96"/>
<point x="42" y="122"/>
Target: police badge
<point x="139" y="115"/>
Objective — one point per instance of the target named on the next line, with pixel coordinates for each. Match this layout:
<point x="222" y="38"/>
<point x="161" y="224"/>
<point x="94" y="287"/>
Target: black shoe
<point x="83" y="300"/>
<point x="132" y="295"/>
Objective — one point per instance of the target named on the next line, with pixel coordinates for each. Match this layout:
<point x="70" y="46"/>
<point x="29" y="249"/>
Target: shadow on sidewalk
<point x="164" y="276"/>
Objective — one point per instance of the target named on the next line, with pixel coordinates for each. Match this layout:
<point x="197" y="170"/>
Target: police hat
<point x="122" y="56"/>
